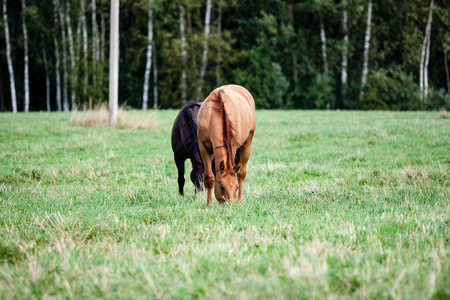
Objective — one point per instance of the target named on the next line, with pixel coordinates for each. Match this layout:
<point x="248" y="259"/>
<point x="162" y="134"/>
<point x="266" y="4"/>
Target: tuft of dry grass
<point x="98" y="117"/>
<point x="444" y="114"/>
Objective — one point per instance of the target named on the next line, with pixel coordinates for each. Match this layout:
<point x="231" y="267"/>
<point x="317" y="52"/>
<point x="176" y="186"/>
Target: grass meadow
<point x="337" y="205"/>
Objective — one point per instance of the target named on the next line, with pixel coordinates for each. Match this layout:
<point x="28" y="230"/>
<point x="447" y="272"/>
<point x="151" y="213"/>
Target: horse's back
<point x="239" y="94"/>
<point x="184" y="128"/>
<point x="240" y="107"/>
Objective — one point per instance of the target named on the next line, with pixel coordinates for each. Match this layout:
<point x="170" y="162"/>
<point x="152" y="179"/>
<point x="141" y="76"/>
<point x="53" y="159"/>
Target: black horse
<point x="185" y="145"/>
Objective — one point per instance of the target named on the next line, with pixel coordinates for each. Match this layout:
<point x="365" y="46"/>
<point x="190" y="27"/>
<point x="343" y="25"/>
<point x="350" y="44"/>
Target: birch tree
<point x="9" y="60"/>
<point x="26" y="76"/>
<point x="344" y="56"/>
<point x="57" y="57"/>
<point x="423" y="76"/>
<point x="183" y="55"/>
<point x="73" y="69"/>
<point x="323" y="40"/>
<point x="85" y="47"/>
<point x="205" y="49"/>
<point x="64" y="57"/>
<point x="366" y="51"/>
<point x="114" y="63"/>
<point x="47" y="79"/>
<point x="148" y="64"/>
<point x="57" y="73"/>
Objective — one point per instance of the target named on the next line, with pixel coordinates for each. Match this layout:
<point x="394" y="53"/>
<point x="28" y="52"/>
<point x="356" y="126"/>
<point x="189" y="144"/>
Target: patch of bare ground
<point x="444" y="114"/>
<point x="98" y="117"/>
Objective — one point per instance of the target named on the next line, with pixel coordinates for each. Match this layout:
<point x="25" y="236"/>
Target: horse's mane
<point x="192" y="147"/>
<point x="228" y="130"/>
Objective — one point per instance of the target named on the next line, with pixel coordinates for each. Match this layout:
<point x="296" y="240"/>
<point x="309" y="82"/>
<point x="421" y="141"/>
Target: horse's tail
<point x="227" y="126"/>
<point x="192" y="147"/>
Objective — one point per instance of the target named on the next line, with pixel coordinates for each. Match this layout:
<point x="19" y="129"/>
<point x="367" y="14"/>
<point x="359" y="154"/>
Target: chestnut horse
<point x="226" y="125"/>
<point x="185" y="145"/>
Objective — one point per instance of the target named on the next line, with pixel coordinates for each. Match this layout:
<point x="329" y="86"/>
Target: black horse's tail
<point x="192" y="145"/>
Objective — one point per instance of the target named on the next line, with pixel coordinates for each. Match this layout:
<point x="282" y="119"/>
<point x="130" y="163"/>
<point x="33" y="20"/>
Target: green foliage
<point x="391" y="89"/>
<point x="272" y="47"/>
<point x="266" y="81"/>
<point x="264" y="77"/>
<point x="320" y="92"/>
<point x="336" y="205"/>
<point x="439" y="98"/>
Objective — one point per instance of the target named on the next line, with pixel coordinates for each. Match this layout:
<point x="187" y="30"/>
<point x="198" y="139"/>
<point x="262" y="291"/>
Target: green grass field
<point x="336" y="205"/>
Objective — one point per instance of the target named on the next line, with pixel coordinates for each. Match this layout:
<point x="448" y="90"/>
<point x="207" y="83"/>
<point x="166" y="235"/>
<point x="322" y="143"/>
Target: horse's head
<point x="197" y="173"/>
<point x="226" y="183"/>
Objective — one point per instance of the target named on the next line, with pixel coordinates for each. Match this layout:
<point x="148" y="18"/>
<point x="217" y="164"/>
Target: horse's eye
<point x="222" y="188"/>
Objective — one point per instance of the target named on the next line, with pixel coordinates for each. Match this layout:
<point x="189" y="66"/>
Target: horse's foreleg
<point x="244" y="153"/>
<point x="209" y="176"/>
<point x="179" y="161"/>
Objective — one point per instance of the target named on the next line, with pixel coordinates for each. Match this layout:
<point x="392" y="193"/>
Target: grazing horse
<point x="185" y="145"/>
<point x="226" y="125"/>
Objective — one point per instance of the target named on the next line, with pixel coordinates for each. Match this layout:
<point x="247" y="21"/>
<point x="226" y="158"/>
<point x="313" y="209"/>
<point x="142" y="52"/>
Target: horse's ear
<point x="222" y="167"/>
<point x="237" y="167"/>
<point x="197" y="158"/>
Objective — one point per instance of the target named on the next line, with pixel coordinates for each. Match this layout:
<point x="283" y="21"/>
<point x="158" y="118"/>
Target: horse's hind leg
<point x="179" y="161"/>
<point x="244" y="155"/>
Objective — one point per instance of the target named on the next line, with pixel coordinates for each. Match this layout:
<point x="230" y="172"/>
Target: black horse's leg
<point x="179" y="161"/>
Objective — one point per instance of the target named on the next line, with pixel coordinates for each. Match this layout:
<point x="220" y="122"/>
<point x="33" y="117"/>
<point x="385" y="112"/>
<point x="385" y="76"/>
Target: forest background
<point x="314" y="54"/>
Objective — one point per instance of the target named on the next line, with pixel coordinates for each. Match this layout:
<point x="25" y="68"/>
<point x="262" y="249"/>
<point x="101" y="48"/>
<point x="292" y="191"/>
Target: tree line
<point x="348" y="54"/>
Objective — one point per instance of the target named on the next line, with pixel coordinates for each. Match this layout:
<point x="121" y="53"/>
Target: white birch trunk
<point x="64" y="58"/>
<point x="427" y="57"/>
<point x="155" y="79"/>
<point x="114" y="64"/>
<point x="57" y="73"/>
<point x="323" y="39"/>
<point x="148" y="64"/>
<point x="57" y="58"/>
<point x="183" y="56"/>
<point x="95" y="43"/>
<point x="344" y="57"/>
<point x="366" y="51"/>
<point x="422" y="61"/>
<point x="424" y="54"/>
<point x="425" y="68"/>
<point x="26" y="76"/>
<point x="205" y="50"/>
<point x="85" y="47"/>
<point x="73" y="75"/>
<point x="47" y="79"/>
<point x="9" y="60"/>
